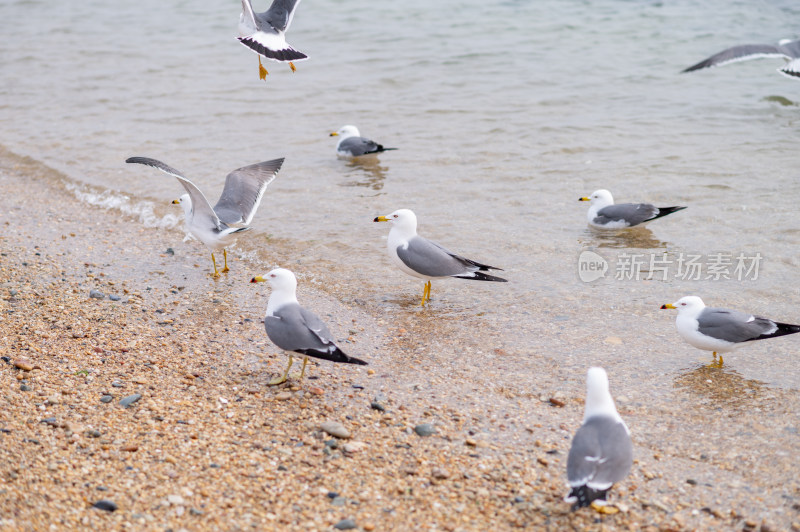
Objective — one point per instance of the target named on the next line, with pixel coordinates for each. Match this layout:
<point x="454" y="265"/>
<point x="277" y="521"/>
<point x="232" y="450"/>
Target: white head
<point x="346" y="132"/>
<point x="186" y="204"/>
<point x="284" y="288"/>
<point x="689" y="305"/>
<point x="599" y="198"/>
<point x="403" y="219"/>
<point x="598" y="398"/>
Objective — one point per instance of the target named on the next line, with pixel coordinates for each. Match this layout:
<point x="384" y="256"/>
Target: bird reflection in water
<point x="634" y="237"/>
<point x="366" y="171"/>
<point x="721" y="386"/>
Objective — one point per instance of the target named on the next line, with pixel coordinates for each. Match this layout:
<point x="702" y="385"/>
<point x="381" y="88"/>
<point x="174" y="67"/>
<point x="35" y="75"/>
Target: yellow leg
<point x="214" y="261"/>
<point x="292" y="66"/>
<point x="262" y="72"/>
<point x="717" y="362"/>
<point x="426" y="293"/>
<point x="303" y="371"/>
<point x="604" y="508"/>
<point x="225" y="254"/>
<point x="282" y="378"/>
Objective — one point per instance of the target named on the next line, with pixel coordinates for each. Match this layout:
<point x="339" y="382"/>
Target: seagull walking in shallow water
<point x="787" y="49"/>
<point x="293" y="328"/>
<point x="419" y="257"/>
<point x="601" y="452"/>
<point x="218" y="227"/>
<point x="604" y="214"/>
<point x="721" y="330"/>
<point x="351" y="144"/>
<point x="264" y="33"/>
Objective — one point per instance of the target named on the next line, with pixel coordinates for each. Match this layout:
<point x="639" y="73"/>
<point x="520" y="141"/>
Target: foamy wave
<point x="141" y="210"/>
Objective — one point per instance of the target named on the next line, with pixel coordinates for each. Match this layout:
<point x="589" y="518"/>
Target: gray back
<point x="607" y="442"/>
<point x="431" y="259"/>
<point x="294" y="328"/>
<point x="359" y="146"/>
<point x="732" y="325"/>
<point x="633" y="213"/>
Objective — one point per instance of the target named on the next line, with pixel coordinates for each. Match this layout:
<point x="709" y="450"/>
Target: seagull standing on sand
<point x="721" y="330"/>
<point x="601" y="452"/>
<point x="419" y="257"/>
<point x="264" y="33"/>
<point x="351" y="144"/>
<point x="786" y="49"/>
<point x="293" y="328"/>
<point x="604" y="214"/>
<point x="218" y="227"/>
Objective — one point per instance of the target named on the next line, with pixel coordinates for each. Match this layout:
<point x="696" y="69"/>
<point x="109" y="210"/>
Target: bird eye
<point x="395" y="216"/>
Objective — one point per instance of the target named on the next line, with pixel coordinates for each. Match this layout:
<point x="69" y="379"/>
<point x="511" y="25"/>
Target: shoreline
<point x="209" y="445"/>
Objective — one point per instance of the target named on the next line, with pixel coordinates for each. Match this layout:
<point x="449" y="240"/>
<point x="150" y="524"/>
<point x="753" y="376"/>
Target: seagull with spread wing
<point x="218" y="227"/>
<point x="264" y="33"/>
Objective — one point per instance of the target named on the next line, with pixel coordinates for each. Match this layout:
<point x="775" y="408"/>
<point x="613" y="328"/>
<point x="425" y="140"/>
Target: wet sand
<point x="210" y="446"/>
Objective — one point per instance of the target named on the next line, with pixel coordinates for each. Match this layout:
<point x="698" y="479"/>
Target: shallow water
<point x="503" y="115"/>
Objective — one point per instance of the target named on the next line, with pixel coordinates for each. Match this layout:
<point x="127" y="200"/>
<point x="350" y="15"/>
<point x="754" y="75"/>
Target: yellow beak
<point x="584" y="199"/>
<point x="176" y="201"/>
<point x="668" y="305"/>
<point x="381" y="219"/>
<point x="334" y="134"/>
<point x="257" y="279"/>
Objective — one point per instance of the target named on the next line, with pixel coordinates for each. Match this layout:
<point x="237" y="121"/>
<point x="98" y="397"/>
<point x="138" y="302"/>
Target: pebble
<point x="117" y="384"/>
<point x="354" y="446"/>
<point x="24" y="387"/>
<point x="345" y="524"/>
<point x="176" y="500"/>
<point x="283" y="396"/>
<point x="424" y="430"/>
<point x="23" y="363"/>
<point x="130" y="448"/>
<point x="375" y="405"/>
<point x="440" y="473"/>
<point x="96" y="294"/>
<point x="336" y="429"/>
<point x="114" y="297"/>
<point x="105" y="504"/>
<point x="106" y="398"/>
<point x="339" y="501"/>
<point x="128" y="401"/>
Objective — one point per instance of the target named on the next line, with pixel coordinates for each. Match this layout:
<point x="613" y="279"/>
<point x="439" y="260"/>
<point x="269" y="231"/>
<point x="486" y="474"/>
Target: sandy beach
<point x="427" y="444"/>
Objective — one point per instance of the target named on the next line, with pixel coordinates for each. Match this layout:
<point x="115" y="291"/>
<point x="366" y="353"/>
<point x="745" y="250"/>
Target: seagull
<point x="218" y="227"/>
<point x="787" y="49"/>
<point x="605" y="215"/>
<point x="721" y="330"/>
<point x="351" y="144"/>
<point x="601" y="452"/>
<point x="264" y="33"/>
<point x="293" y="328"/>
<point x="419" y="257"/>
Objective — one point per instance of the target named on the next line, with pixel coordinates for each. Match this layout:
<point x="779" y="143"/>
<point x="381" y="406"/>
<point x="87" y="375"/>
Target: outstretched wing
<point x="200" y="204"/>
<point x="742" y="52"/>
<point x="280" y="14"/>
<point x="243" y="190"/>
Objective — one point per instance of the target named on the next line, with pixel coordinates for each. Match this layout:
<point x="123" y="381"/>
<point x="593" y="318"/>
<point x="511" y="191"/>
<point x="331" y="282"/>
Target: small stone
<point x="54" y="399"/>
<point x="23" y="363"/>
<point x="345" y="524"/>
<point x="195" y="511"/>
<point x="176" y="500"/>
<point x="24" y="387"/>
<point x="316" y="391"/>
<point x="94" y="433"/>
<point x="339" y="501"/>
<point x="614" y="340"/>
<point x="104" y="504"/>
<point x="50" y="421"/>
<point x="369" y="527"/>
<point x="424" y="430"/>
<point x="106" y="398"/>
<point x="117" y="384"/>
<point x="114" y="297"/>
<point x="440" y="473"/>
<point x="375" y="405"/>
<point x="283" y="396"/>
<point x="128" y="401"/>
<point x="170" y="251"/>
<point x="96" y="294"/>
<point x="542" y="461"/>
<point x="691" y="481"/>
<point x="130" y="448"/>
<point x="353" y="447"/>
<point x="336" y="429"/>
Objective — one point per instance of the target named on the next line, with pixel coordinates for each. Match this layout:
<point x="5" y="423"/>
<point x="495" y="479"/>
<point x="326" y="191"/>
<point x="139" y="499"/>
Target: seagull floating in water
<point x="787" y="49"/>
<point x="603" y="213"/>
<point x="264" y="33"/>
<point x="293" y="328"/>
<point x="601" y="452"/>
<point x="419" y="257"/>
<point x="721" y="330"/>
<point x="218" y="227"/>
<point x="351" y="144"/>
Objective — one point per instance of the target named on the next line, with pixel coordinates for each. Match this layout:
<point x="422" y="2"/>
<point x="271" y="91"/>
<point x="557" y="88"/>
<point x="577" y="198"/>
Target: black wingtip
<point x="336" y="356"/>
<point x="480" y="276"/>
<point x="285" y="54"/>
<point x="586" y="495"/>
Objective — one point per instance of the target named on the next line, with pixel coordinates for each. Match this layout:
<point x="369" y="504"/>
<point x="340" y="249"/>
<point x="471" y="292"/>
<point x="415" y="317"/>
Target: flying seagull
<point x="601" y="452"/>
<point x="419" y="257"/>
<point x="218" y="227"/>
<point x="264" y="33"/>
<point x="787" y="49"/>
<point x="293" y="328"/>
<point x="351" y="144"/>
<point x="604" y="214"/>
<point x="721" y="330"/>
